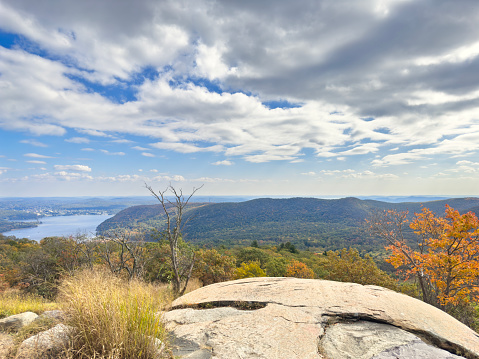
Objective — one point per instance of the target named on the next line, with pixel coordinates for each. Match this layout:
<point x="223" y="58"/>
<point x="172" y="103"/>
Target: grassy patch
<point x="14" y="302"/>
<point x="113" y="318"/>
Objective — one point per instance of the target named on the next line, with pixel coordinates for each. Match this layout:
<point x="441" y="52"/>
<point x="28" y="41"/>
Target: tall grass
<point x="12" y="301"/>
<point x="113" y="318"/>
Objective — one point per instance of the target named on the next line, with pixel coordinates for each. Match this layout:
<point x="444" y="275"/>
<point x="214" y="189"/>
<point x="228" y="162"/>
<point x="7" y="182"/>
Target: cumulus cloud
<point x="147" y="154"/>
<point x="79" y="168"/>
<point x="384" y="82"/>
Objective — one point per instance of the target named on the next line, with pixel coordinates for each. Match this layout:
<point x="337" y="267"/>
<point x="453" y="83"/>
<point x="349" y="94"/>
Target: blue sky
<point x="318" y="98"/>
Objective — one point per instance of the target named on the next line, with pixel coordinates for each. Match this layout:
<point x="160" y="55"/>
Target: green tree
<point x="213" y="267"/>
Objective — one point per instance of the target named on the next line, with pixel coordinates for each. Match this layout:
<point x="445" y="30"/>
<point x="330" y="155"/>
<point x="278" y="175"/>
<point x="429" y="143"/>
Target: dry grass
<point x="113" y="318"/>
<point x="13" y="302"/>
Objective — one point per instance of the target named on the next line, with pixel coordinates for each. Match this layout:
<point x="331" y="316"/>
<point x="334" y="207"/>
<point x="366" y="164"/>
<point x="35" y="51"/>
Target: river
<point x="61" y="226"/>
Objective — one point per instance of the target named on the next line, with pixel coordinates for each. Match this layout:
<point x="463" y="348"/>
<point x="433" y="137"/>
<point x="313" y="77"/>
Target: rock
<point x="17" y="321"/>
<point x="56" y="315"/>
<point x="6" y="345"/>
<point x="365" y="340"/>
<point x="297" y="318"/>
<point x="47" y="344"/>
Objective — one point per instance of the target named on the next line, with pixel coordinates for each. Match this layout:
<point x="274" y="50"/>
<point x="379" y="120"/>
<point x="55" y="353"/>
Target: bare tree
<point x="123" y="250"/>
<point x="182" y="265"/>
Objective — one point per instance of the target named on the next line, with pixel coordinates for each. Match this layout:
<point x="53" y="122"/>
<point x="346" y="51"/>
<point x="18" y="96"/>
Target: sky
<point x="257" y="98"/>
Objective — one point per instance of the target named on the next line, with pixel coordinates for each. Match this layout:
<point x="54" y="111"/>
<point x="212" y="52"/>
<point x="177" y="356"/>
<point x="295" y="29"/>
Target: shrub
<point x="299" y="270"/>
<point x="112" y="318"/>
<point x="248" y="270"/>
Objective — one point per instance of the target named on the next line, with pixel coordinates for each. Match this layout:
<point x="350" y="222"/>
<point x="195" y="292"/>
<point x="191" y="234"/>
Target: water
<point x="61" y="226"/>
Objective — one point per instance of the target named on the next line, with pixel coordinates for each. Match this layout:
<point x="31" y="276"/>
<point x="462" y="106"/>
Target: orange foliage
<point x="447" y="259"/>
<point x="299" y="270"/>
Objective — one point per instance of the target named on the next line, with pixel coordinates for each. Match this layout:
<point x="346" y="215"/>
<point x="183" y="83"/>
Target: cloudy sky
<point x="272" y="97"/>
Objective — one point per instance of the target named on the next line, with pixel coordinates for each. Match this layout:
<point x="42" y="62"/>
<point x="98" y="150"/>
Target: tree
<point x="123" y="251"/>
<point x="175" y="209"/>
<point x="445" y="260"/>
<point x="348" y="266"/>
<point x="299" y="270"/>
<point x="249" y="270"/>
<point x="213" y="267"/>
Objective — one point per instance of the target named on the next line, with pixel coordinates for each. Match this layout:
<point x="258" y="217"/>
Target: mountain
<point x="307" y="222"/>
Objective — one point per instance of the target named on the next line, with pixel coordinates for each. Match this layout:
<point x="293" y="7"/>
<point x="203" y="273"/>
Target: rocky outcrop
<point x="16" y="322"/>
<point x="302" y="318"/>
<point x="47" y="344"/>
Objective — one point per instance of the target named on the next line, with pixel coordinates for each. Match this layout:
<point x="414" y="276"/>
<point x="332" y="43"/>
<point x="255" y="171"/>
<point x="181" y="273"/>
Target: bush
<point x="299" y="270"/>
<point x="112" y="318"/>
<point x="249" y="270"/>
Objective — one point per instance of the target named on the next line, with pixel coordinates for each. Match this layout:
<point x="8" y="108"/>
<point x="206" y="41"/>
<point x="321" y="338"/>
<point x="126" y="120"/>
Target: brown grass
<point x="113" y="318"/>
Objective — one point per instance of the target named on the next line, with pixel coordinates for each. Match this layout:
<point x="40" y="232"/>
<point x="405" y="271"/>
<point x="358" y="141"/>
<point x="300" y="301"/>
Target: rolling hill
<point x="307" y="222"/>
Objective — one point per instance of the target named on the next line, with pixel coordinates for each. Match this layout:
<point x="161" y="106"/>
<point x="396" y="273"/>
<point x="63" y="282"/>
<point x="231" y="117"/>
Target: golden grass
<point x="14" y="302"/>
<point x="113" y="318"/>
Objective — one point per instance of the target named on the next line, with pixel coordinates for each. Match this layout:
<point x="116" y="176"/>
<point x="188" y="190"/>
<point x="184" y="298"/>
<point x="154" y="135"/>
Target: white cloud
<point x="36" y="155"/>
<point x="185" y="147"/>
<point x="223" y="163"/>
<point x="80" y="168"/>
<point x="37" y="162"/>
<point x="34" y="143"/>
<point x="113" y="153"/>
<point x="78" y="140"/>
<point x="147" y="154"/>
<point x="139" y="148"/>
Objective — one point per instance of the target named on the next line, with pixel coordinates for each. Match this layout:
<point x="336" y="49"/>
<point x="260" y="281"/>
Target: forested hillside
<point x="307" y="222"/>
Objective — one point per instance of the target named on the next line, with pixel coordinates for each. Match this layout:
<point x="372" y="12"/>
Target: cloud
<point x="113" y="153"/>
<point x="139" y="148"/>
<point x="34" y="143"/>
<point x="185" y="147"/>
<point x="78" y="140"/>
<point x="37" y="162"/>
<point x="36" y="155"/>
<point x="223" y="163"/>
<point x="79" y="168"/>
<point x="147" y="154"/>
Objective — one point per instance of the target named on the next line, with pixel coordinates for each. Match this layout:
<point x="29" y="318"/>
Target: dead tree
<point x="182" y="264"/>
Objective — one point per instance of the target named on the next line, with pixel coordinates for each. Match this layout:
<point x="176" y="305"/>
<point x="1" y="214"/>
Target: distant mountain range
<point x="307" y="222"/>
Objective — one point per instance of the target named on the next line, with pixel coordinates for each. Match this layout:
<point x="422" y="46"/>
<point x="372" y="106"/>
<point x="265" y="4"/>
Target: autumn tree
<point x="445" y="258"/>
<point x="181" y="263"/>
<point x="213" y="267"/>
<point x="348" y="266"/>
<point x="299" y="270"/>
<point x="249" y="270"/>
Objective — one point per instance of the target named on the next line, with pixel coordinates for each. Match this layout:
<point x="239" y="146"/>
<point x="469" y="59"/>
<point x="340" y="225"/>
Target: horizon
<point x="265" y="98"/>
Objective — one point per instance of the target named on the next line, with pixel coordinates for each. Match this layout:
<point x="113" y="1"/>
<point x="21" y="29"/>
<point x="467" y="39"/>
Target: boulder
<point x="17" y="321"/>
<point x="7" y="344"/>
<point x="47" y="344"/>
<point x="307" y="318"/>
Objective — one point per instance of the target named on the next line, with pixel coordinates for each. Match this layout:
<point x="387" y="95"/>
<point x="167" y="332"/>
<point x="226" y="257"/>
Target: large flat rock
<point x="296" y="314"/>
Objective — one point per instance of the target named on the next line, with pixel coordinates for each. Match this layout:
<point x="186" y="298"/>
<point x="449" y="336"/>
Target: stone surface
<point x="46" y="344"/>
<point x="6" y="345"/>
<point x="57" y="315"/>
<point x="17" y="321"/>
<point x="415" y="349"/>
<point x="366" y="340"/>
<point x="297" y="315"/>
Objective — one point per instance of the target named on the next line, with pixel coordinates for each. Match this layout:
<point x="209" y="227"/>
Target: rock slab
<point x="301" y="318"/>
<point x="17" y="321"/>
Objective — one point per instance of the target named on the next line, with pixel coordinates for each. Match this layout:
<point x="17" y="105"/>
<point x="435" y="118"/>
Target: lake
<point x="61" y="226"/>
